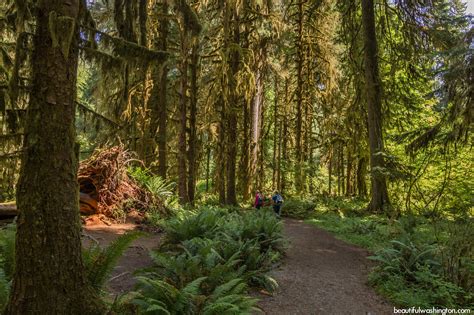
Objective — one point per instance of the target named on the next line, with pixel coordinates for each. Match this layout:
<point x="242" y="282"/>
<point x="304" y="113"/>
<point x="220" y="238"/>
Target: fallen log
<point x="8" y="210"/>
<point x="88" y="206"/>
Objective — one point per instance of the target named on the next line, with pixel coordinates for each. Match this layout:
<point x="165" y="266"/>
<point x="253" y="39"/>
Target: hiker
<point x="277" y="200"/>
<point x="258" y="200"/>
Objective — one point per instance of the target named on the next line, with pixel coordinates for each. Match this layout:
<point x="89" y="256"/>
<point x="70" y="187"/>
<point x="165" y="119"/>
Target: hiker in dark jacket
<point x="277" y="201"/>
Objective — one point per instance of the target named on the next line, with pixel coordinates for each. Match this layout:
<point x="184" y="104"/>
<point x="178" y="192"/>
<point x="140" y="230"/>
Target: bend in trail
<point x="322" y="275"/>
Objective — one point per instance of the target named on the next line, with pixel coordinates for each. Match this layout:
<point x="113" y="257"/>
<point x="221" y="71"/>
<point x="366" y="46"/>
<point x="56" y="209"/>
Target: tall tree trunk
<point x="299" y="99"/>
<point x="49" y="274"/>
<point x="256" y="127"/>
<point x="275" y="135"/>
<point x="232" y="118"/>
<point x="285" y="139"/>
<point x="379" y="194"/>
<point x="244" y="167"/>
<point x="280" y="148"/>
<point x="192" y="123"/>
<point x="245" y="153"/>
<point x="182" y="167"/>
<point x="219" y="177"/>
<point x="208" y="166"/>
<point x="338" y="169"/>
<point x="231" y="194"/>
<point x="261" y="158"/>
<point x="163" y="97"/>
<point x="349" y="181"/>
<point x="360" y="177"/>
<point x="331" y="156"/>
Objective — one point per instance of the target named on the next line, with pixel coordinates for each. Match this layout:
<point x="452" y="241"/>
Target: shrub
<point x="202" y="224"/>
<point x="7" y="261"/>
<point x="162" y="193"/>
<point x="160" y="297"/>
<point x="298" y="209"/>
<point x="226" y="250"/>
<point x="411" y="273"/>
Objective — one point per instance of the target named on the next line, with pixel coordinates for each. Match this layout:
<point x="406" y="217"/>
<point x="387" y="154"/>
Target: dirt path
<point x="136" y="256"/>
<point x="322" y="275"/>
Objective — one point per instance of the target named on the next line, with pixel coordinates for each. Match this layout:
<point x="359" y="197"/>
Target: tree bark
<point x="285" y="140"/>
<point x="231" y="194"/>
<point x="331" y="156"/>
<point x="163" y="98"/>
<point x="275" y="135"/>
<point x="360" y="177"/>
<point x="232" y="118"/>
<point x="182" y="145"/>
<point x="49" y="274"/>
<point x="192" y="123"/>
<point x="349" y="181"/>
<point x="220" y="171"/>
<point x="299" y="100"/>
<point x="256" y="125"/>
<point x="245" y="153"/>
<point x="208" y="166"/>
<point x="379" y="194"/>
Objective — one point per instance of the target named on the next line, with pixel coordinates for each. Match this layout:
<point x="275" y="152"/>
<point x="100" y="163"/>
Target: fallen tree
<point x="104" y="178"/>
<point x="106" y="187"/>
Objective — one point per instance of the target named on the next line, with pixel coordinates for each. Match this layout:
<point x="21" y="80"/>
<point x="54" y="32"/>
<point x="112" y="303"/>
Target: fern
<point x="157" y="186"/>
<point x="4" y="289"/>
<point x="100" y="262"/>
<point x="208" y="260"/>
<point x="230" y="298"/>
<point x="7" y="250"/>
<point x="7" y="261"/>
<point x="159" y="297"/>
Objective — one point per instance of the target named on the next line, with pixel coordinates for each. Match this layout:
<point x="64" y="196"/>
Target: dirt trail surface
<point x="136" y="256"/>
<point x="322" y="275"/>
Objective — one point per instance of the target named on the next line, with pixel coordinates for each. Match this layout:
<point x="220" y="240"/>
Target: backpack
<point x="279" y="199"/>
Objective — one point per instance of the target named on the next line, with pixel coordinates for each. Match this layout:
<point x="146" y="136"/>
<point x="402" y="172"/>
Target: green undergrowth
<point x="208" y="262"/>
<point x="421" y="262"/>
<point x="99" y="262"/>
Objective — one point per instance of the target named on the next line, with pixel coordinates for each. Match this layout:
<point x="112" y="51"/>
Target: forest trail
<point x="135" y="257"/>
<point x="319" y="275"/>
<point x="322" y="275"/>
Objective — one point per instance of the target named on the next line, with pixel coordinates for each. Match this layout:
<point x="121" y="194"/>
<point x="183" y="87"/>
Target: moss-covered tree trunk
<point x="163" y="97"/>
<point x="220" y="170"/>
<point x="379" y="194"/>
<point x="192" y="142"/>
<point x="285" y="140"/>
<point x="49" y="274"/>
<point x="299" y="100"/>
<point x="245" y="153"/>
<point x="256" y="128"/>
<point x="232" y="109"/>
<point x="275" y="164"/>
<point x="182" y="111"/>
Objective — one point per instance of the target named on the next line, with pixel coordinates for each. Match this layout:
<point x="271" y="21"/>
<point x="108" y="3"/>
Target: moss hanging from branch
<point x="128" y="51"/>
<point x="190" y="18"/>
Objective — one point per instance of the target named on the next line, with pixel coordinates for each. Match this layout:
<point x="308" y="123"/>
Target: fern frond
<point x="99" y="263"/>
<point x="7" y="250"/>
<point x="4" y="289"/>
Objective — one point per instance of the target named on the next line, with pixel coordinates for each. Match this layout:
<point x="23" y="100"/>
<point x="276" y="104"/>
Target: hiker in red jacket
<point x="258" y="200"/>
